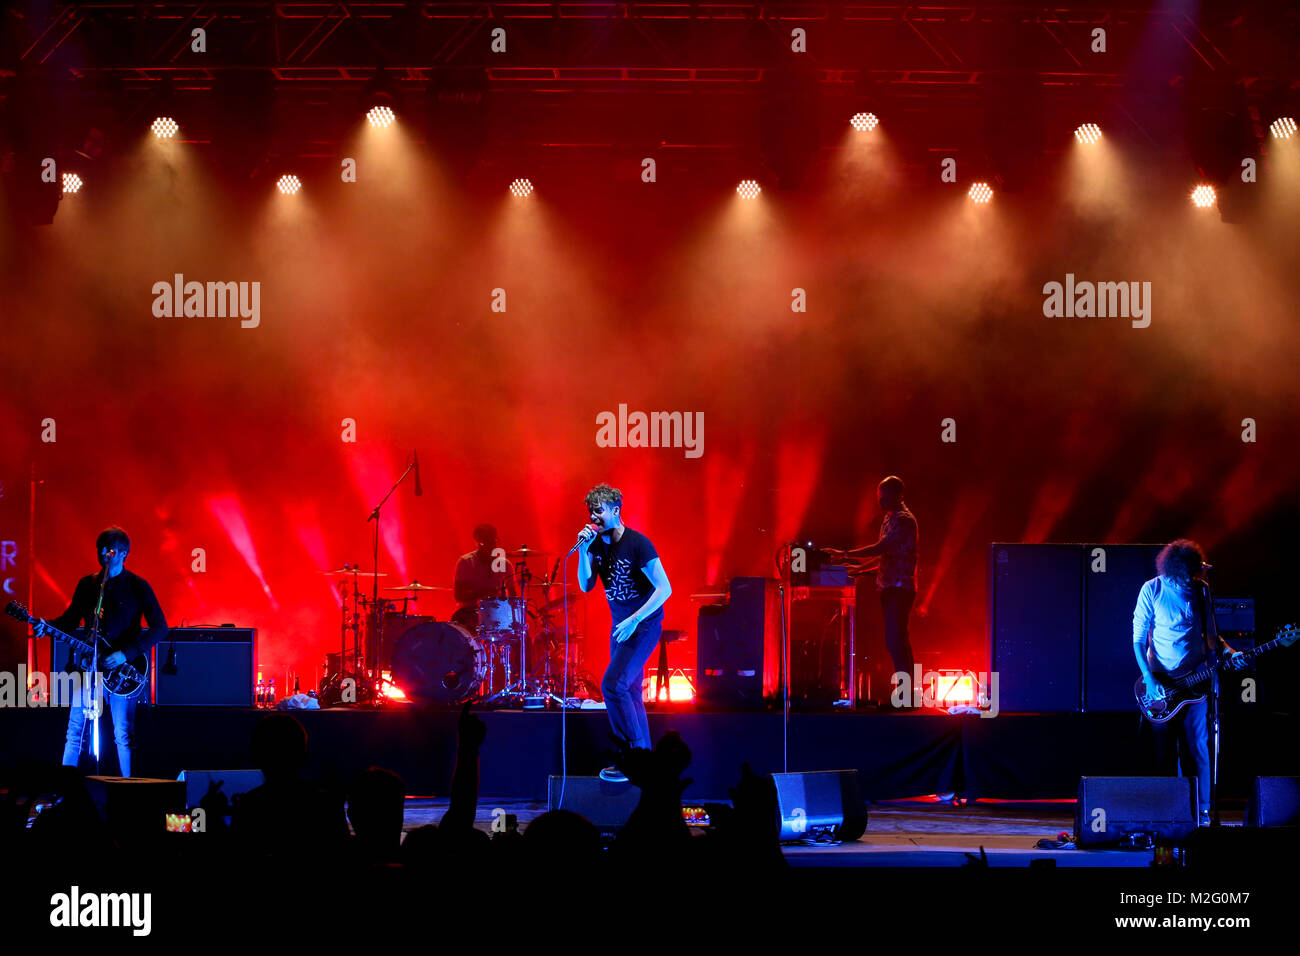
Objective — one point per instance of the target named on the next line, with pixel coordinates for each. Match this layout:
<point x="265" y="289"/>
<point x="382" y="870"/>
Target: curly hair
<point x="603" y="494"/>
<point x="1180" y="560"/>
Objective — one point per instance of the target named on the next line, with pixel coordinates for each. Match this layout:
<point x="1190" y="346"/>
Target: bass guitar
<point x="125" y="680"/>
<point x="1185" y="687"/>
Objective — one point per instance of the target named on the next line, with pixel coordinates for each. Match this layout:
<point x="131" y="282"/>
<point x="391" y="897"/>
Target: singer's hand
<point x="586" y="536"/>
<point x="625" y="628"/>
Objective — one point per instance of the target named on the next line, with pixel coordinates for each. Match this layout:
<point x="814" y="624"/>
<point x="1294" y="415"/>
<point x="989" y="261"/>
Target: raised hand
<point x="470" y="731"/>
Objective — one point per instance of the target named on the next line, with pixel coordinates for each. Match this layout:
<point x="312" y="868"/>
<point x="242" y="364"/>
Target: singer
<point x="127" y="598"/>
<point x="636" y="587"/>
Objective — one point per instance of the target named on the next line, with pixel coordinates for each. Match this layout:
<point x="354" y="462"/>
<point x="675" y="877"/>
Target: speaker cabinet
<point x="607" y="805"/>
<point x="1111" y="808"/>
<point x="1109" y="668"/>
<point x="739" y="646"/>
<point x="821" y="806"/>
<point x="136" y="808"/>
<point x="1036" y="593"/>
<point x="214" y="667"/>
<point x="1274" y="802"/>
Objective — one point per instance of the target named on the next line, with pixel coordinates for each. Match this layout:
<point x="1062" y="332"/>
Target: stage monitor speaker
<point x="822" y="806"/>
<point x="228" y="783"/>
<point x="738" y="652"/>
<point x="1109" y="809"/>
<point x="214" y="667"/>
<point x="1109" y="668"/>
<point x="607" y="805"/>
<point x="1274" y="802"/>
<point x="136" y="807"/>
<point x="1035" y="599"/>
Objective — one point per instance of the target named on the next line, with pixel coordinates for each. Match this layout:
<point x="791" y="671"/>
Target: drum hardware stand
<point x="518" y="689"/>
<point x="377" y="677"/>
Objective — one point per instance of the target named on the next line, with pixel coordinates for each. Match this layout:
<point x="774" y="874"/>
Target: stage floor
<point x="911" y="835"/>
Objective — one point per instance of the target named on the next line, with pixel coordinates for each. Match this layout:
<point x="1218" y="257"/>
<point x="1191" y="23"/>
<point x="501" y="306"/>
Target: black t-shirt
<point x="618" y="565"/>
<point x="127" y="598"/>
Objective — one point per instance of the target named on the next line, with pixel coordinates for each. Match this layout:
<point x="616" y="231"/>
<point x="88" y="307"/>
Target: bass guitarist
<point x="127" y="598"/>
<point x="1174" y="632"/>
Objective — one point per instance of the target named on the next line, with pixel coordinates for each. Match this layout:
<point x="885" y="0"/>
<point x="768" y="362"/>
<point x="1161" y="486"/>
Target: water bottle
<point x="260" y="698"/>
<point x="270" y="694"/>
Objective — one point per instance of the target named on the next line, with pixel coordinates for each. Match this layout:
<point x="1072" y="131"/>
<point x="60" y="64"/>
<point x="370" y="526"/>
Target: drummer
<point x="481" y="575"/>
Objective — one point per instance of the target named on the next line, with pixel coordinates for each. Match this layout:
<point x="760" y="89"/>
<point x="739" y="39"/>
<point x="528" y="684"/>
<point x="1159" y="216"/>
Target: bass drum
<point x="438" y="662"/>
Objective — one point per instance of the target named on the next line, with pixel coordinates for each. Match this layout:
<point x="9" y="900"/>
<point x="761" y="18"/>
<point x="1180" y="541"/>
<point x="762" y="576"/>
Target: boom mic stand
<point x="378" y="675"/>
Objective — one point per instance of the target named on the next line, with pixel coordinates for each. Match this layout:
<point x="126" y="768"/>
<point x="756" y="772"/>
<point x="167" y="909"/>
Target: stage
<point x="1009" y="757"/>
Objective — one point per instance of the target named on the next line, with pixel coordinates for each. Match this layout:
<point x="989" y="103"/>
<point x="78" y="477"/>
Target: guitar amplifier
<point x="213" y="667"/>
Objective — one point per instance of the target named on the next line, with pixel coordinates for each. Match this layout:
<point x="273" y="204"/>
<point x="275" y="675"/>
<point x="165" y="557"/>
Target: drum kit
<point x="506" y="650"/>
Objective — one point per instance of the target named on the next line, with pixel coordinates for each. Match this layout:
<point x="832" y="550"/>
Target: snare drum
<point x="439" y="662"/>
<point x="500" y="618"/>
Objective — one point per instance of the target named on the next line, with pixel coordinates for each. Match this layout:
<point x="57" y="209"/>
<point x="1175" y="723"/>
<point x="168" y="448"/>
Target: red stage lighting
<point x="521" y="188"/>
<point x="164" y="127"/>
<point x="288" y="184"/>
<point x="864" y="122"/>
<point x="980" y="193"/>
<point x="1203" y="197"/>
<point x="749" y="189"/>
<point x="381" y="117"/>
<point x="71" y="184"/>
<point x="1283" y="127"/>
<point x="1088" y="133"/>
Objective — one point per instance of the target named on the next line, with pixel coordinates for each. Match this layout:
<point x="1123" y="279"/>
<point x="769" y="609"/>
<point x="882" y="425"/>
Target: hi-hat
<point x="527" y="552"/>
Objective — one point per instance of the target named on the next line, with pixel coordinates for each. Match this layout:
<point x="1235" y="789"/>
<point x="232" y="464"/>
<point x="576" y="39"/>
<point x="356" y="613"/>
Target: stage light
<point x="749" y="189"/>
<point x="678" y="689"/>
<point x="71" y="184"/>
<point x="954" y="687"/>
<point x="521" y="188"/>
<point x="864" y="122"/>
<point x="1088" y="134"/>
<point x="980" y="193"/>
<point x="1283" y="127"/>
<point x="1203" y="197"/>
<point x="380" y="117"/>
<point x="288" y="184"/>
<point x="164" y="127"/>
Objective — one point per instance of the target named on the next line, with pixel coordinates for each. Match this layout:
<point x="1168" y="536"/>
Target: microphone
<point x="415" y="455"/>
<point x="583" y="537"/>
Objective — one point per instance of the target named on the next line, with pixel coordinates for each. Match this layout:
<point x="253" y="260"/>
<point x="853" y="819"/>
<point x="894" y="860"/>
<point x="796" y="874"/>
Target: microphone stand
<point x="96" y="687"/>
<point x="1210" y="633"/>
<point x="378" y="676"/>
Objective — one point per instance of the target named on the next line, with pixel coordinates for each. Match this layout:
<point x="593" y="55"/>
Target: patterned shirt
<point x="618" y="565"/>
<point x="898" y="537"/>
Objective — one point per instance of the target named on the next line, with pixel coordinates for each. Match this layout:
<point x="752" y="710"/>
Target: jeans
<point x="896" y="606"/>
<point x="621" y="684"/>
<point x="122" y="710"/>
<point x="1187" y="737"/>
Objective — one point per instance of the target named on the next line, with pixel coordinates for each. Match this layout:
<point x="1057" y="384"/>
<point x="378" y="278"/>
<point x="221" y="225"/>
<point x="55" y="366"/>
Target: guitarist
<point x="127" y="597"/>
<point x="1172" y="633"/>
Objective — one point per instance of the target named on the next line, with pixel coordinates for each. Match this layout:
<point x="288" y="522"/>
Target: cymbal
<point x="361" y="574"/>
<point x="417" y="586"/>
<point x="557" y="603"/>
<point x="527" y="552"/>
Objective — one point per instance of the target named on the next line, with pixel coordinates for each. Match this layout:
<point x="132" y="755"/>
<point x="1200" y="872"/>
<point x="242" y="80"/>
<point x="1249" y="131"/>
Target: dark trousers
<point x="1185" y="740"/>
<point x="621" y="684"/>
<point x="896" y="607"/>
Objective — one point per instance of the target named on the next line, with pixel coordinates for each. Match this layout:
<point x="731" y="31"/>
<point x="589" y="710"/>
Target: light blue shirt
<point x="1167" y="611"/>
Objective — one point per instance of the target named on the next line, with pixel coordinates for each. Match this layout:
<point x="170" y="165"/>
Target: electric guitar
<point x="125" y="680"/>
<point x="1183" y="688"/>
